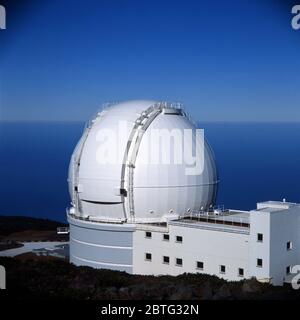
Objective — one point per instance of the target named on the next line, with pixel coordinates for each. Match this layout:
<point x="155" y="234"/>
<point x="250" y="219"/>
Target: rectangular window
<point x="289" y="245"/>
<point x="166" y="259"/>
<point x="166" y="237"/>
<point x="259" y="262"/>
<point x="179" y="239"/>
<point x="288" y="269"/>
<point x="178" y="262"/>
<point x="241" y="272"/>
<point x="148" y="256"/>
<point x="222" y="269"/>
<point x="148" y="235"/>
<point x="260" y="237"/>
<point x="200" y="265"/>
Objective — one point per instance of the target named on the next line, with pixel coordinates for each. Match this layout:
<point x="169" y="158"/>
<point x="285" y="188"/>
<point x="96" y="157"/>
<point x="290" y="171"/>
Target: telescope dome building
<point x="143" y="184"/>
<point x="123" y="168"/>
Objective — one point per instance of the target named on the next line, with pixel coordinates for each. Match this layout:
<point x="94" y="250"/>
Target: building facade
<point x="234" y="245"/>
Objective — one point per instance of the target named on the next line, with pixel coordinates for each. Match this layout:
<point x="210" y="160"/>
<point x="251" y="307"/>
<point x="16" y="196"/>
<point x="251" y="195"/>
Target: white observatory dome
<point x="118" y="171"/>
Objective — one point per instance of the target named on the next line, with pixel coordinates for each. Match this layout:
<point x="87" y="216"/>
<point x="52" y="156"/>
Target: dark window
<point x="200" y="265"/>
<point x="178" y="262"/>
<point x="166" y="259"/>
<point x="178" y="239"/>
<point x="259" y="262"/>
<point x="222" y="269"/>
<point x="166" y="237"/>
<point x="260" y="237"/>
<point x="123" y="192"/>
<point x="288" y="270"/>
<point x="148" y="234"/>
<point x="241" y="272"/>
<point x="289" y="245"/>
<point x="148" y="256"/>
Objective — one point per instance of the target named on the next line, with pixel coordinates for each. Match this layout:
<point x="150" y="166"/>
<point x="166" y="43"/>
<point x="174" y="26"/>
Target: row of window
<point x="260" y="238"/>
<point x="179" y="239"/>
<point x="165" y="237"/>
<point x="199" y="264"/>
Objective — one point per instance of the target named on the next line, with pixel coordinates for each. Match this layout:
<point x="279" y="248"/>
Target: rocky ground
<point x="54" y="279"/>
<point x="6" y="244"/>
<point x="16" y="229"/>
<point x="12" y="224"/>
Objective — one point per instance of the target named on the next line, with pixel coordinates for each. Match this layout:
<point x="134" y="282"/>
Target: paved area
<point x="29" y="246"/>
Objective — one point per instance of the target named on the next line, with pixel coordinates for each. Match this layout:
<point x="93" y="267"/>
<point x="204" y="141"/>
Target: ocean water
<point x="256" y="162"/>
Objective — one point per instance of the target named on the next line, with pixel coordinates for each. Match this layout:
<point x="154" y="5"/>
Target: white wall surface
<point x="213" y="248"/>
<point x="278" y="227"/>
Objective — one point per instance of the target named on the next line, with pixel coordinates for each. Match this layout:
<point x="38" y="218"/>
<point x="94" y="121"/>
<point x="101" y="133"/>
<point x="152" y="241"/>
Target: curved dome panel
<point x="147" y="182"/>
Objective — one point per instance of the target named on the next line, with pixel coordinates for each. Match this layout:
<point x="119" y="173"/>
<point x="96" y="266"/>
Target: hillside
<point x="57" y="279"/>
<point x="12" y="224"/>
<point x="17" y="229"/>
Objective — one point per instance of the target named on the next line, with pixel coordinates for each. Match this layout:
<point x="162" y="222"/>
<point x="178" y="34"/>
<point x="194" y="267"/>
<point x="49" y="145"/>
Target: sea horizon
<point x="256" y="161"/>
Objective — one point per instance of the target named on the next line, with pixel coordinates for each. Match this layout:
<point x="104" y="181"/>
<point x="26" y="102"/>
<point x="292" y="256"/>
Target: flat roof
<point x="275" y="206"/>
<point x="278" y="203"/>
<point x="212" y="226"/>
<point x="229" y="219"/>
<point x="270" y="209"/>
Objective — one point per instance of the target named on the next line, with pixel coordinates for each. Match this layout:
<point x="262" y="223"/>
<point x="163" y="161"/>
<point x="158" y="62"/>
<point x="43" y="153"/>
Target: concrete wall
<point x="259" y="223"/>
<point x="278" y="227"/>
<point x="284" y="227"/>
<point x="213" y="248"/>
<point x="101" y="245"/>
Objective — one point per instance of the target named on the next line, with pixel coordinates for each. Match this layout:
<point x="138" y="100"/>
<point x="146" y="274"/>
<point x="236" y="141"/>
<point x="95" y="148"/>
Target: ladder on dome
<point x="141" y="125"/>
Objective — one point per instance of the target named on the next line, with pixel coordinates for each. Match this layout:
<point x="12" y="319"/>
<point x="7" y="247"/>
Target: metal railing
<point x="63" y="230"/>
<point x="217" y="215"/>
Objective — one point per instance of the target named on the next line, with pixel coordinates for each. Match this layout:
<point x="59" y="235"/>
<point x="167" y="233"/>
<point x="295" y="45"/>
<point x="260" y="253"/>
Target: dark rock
<point x="183" y="293"/>
<point x="111" y="293"/>
<point x="137" y="292"/>
<point x="251" y="286"/>
<point x="223" y="293"/>
<point x="124" y="293"/>
<point x="205" y="292"/>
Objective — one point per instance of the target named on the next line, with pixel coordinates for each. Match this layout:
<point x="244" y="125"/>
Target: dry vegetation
<point x="57" y="279"/>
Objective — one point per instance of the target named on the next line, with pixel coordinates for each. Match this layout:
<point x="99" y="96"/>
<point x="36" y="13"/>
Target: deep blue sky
<point x="225" y="60"/>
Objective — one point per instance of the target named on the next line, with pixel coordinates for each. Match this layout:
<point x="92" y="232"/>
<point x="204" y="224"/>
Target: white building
<point x="155" y="218"/>
<point x="234" y="245"/>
